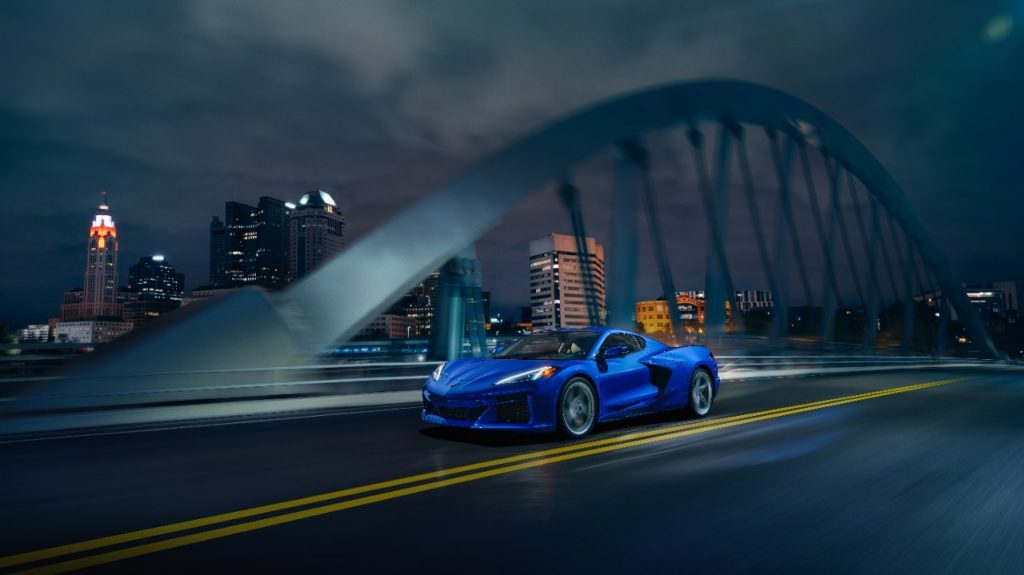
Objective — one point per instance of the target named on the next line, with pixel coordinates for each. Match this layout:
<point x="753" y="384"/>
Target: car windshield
<point x="551" y="345"/>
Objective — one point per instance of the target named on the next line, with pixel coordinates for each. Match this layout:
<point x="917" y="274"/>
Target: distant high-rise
<point x="72" y="308"/>
<point x="94" y="314"/>
<point x="250" y="246"/>
<point x="419" y="303"/>
<point x="154" y="279"/>
<point x="558" y="296"/>
<point x="995" y="301"/>
<point x="155" y="288"/>
<point x="99" y="297"/>
<point x="316" y="232"/>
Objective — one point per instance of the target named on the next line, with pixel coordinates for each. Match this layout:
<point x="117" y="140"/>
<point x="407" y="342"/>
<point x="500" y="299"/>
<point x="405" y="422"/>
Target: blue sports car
<point x="569" y="380"/>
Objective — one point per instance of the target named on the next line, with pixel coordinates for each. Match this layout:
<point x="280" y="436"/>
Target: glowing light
<point x="102" y="227"/>
<point x="998" y="28"/>
<point x="327" y="199"/>
<point x="158" y="258"/>
<point x="324" y="197"/>
<point x="103" y="221"/>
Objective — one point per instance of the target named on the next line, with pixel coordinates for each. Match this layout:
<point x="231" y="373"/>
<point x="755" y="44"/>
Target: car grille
<point x="470" y="413"/>
<point x="514" y="411"/>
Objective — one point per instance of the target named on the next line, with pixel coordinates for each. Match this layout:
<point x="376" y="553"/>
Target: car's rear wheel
<point x="577" y="408"/>
<point x="702" y="393"/>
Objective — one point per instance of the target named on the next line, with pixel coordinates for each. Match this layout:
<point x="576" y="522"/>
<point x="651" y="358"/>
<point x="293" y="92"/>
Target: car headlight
<point x="437" y="371"/>
<point x="532" y="375"/>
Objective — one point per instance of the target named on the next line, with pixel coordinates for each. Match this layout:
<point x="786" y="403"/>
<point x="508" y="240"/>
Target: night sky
<point x="176" y="107"/>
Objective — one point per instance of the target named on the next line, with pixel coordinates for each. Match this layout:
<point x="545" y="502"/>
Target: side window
<point x="640" y="343"/>
<point x="621" y="339"/>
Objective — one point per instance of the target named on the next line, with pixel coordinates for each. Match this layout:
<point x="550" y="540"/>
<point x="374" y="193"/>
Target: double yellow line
<point x="250" y="519"/>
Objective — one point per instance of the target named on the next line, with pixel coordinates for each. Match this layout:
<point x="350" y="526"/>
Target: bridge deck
<point x="866" y="485"/>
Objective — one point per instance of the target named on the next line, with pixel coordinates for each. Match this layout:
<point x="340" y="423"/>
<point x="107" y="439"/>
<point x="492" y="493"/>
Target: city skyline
<point x="103" y="227"/>
<point x="331" y="115"/>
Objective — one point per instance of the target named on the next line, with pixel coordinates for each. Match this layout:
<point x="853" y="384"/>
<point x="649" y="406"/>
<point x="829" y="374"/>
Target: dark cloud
<point x="176" y="107"/>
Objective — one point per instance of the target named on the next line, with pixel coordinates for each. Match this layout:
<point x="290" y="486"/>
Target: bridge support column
<point x="621" y="272"/>
<point x="783" y="161"/>
<point x="874" y="295"/>
<point x="942" y="333"/>
<point x="718" y="286"/>
<point x="831" y="294"/>
<point x="570" y="197"/>
<point x="907" y="333"/>
<point x="459" y="306"/>
<point x="750" y="194"/>
<point x="650" y="202"/>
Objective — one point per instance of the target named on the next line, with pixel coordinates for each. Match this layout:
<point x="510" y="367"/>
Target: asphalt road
<point x="927" y="480"/>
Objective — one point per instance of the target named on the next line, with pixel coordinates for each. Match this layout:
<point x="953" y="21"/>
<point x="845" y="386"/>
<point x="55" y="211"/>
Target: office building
<point x="72" y="307"/>
<point x="994" y="300"/>
<point x="316" y="233"/>
<point x="35" y="333"/>
<point x="746" y="300"/>
<point x="94" y="313"/>
<point x="419" y="304"/>
<point x="91" y="331"/>
<point x="155" y="288"/>
<point x="153" y="278"/>
<point x="389" y="326"/>
<point x="99" y="296"/>
<point x="750" y="300"/>
<point x="249" y="247"/>
<point x="558" y="292"/>
<point x="652" y="316"/>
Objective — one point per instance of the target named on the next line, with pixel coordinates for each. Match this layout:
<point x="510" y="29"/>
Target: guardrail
<point x="292" y="389"/>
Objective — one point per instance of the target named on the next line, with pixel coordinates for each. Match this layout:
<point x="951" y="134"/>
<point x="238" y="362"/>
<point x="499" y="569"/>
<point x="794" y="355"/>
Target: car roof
<point x="594" y="329"/>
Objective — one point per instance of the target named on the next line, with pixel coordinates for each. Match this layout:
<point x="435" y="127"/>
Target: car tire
<point x="701" y="394"/>
<point x="576" y="410"/>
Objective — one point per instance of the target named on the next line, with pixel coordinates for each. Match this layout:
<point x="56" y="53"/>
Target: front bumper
<point x="515" y="411"/>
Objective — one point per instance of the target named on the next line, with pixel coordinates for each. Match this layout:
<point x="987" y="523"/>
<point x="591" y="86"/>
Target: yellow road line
<point x="508" y="465"/>
<point x="91" y="544"/>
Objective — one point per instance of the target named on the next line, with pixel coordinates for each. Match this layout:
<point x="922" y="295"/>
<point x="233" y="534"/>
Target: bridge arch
<point x="398" y="254"/>
<point x="253" y="330"/>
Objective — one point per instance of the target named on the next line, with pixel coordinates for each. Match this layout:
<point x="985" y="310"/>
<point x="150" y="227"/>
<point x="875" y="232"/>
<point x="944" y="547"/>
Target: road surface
<point x="909" y="472"/>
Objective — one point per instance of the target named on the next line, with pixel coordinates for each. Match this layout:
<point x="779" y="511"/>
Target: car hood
<point x="473" y="375"/>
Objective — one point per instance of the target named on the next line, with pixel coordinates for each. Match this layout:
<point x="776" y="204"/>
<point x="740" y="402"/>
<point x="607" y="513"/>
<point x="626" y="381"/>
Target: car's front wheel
<point x="702" y="393"/>
<point x="577" y="408"/>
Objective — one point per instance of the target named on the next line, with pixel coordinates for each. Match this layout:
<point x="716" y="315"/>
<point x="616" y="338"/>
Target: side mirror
<point x="615" y="351"/>
<point x="498" y="349"/>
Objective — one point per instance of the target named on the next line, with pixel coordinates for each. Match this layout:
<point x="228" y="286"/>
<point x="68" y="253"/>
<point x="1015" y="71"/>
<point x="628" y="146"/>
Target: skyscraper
<point x="154" y="289"/>
<point x="94" y="314"/>
<point x="154" y="279"/>
<point x="99" y="297"/>
<point x="419" y="303"/>
<point x="558" y="294"/>
<point x="316" y="232"/>
<point x="250" y="246"/>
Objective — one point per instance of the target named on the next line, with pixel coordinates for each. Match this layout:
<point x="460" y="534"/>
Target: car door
<point x="625" y="383"/>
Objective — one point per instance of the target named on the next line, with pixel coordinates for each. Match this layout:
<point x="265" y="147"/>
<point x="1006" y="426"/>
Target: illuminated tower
<point x="99" y="298"/>
<point x="316" y="233"/>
